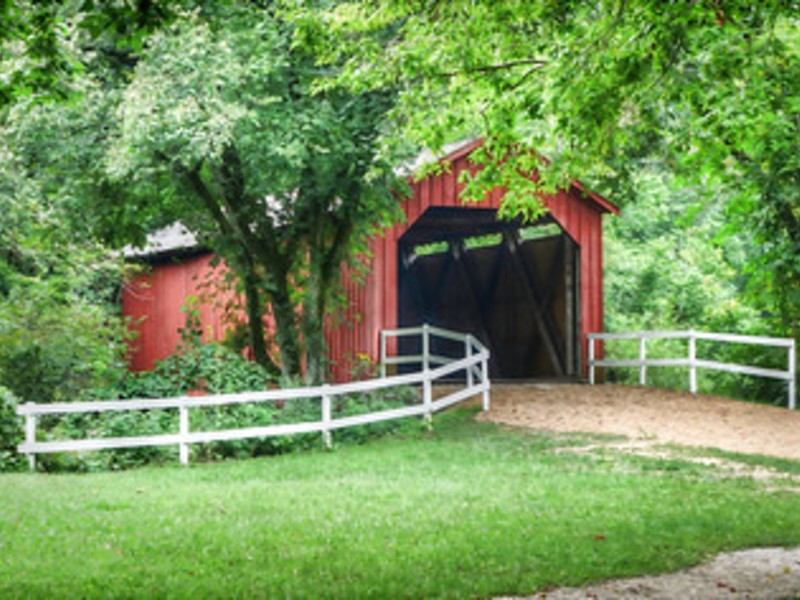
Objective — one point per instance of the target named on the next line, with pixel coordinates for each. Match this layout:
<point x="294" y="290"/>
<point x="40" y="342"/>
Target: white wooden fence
<point x="694" y="363"/>
<point x="474" y="364"/>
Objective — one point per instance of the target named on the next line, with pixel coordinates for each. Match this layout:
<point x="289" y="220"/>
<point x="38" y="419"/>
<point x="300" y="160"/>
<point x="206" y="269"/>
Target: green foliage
<point x="55" y="352"/>
<point x="11" y="432"/>
<point x="669" y="266"/>
<point x="209" y="368"/>
<point x="36" y="55"/>
<point x="198" y="369"/>
<point x="61" y="338"/>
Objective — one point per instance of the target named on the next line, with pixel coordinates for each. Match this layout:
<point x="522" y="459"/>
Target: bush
<point x="52" y="351"/>
<point x="208" y="368"/>
<point x="11" y="432"/>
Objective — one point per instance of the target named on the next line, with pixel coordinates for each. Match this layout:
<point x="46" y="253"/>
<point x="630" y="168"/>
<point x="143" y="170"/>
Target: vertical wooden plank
<point x="591" y="282"/>
<point x="468" y="354"/>
<point x="436" y="197"/>
<point x="593" y="223"/>
<point x="460" y="165"/>
<point x="413" y="205"/>
<point x="569" y="306"/>
<point x="137" y="303"/>
<point x="589" y="279"/>
<point x="449" y="187"/>
<point x="373" y="299"/>
<point x="496" y="198"/>
<point x="391" y="287"/>
<point x="485" y="382"/>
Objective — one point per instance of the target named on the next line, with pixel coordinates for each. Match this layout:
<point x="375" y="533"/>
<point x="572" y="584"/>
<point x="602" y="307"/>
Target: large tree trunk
<point x="255" y="323"/>
<point x="286" y="332"/>
<point x="328" y="246"/>
<point x="314" y="330"/>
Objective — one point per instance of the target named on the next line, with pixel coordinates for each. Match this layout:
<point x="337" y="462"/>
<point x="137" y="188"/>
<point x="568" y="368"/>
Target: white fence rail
<point x="692" y="362"/>
<point x="474" y="363"/>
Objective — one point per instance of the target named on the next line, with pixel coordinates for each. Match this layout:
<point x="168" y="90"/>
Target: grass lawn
<point x="467" y="510"/>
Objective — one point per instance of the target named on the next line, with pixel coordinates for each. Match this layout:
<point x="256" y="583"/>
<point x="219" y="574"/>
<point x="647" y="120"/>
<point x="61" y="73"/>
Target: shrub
<point x="210" y="368"/>
<point x="52" y="351"/>
<point x="11" y="432"/>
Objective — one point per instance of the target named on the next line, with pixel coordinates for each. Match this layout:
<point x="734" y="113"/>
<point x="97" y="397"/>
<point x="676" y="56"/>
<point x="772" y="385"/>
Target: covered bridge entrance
<point x="514" y="287"/>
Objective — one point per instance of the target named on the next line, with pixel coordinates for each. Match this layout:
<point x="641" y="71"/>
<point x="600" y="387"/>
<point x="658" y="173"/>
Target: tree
<point x="61" y="338"/>
<point x="217" y="125"/>
<point x="36" y="55"/>
<point x="707" y="89"/>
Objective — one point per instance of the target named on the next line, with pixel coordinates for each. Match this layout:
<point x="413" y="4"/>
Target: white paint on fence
<point x="474" y="365"/>
<point x="692" y="362"/>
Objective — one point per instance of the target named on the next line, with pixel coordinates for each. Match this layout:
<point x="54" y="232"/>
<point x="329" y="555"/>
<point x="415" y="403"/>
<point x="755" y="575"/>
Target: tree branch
<point x="537" y="63"/>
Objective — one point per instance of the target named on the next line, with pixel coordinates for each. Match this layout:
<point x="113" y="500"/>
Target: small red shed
<point x="530" y="293"/>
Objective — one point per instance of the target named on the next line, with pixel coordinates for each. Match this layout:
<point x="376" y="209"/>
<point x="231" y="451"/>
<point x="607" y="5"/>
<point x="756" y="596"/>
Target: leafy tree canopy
<point x="214" y="123"/>
<point x="707" y="90"/>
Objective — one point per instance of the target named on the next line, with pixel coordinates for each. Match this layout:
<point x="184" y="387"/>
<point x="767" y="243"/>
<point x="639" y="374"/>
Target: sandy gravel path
<point x="759" y="574"/>
<point x="647" y="413"/>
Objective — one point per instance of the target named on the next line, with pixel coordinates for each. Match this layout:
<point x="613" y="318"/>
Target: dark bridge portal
<point x="514" y="287"/>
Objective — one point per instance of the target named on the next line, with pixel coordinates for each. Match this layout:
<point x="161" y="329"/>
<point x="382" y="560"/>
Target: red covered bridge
<point x="530" y="293"/>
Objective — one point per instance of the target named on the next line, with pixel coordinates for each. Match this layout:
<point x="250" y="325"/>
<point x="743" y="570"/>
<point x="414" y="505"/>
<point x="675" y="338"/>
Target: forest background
<point x="121" y="117"/>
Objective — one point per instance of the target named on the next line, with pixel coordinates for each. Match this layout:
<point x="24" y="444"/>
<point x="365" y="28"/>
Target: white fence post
<point x="183" y="413"/>
<point x="326" y="418"/>
<point x="468" y="354"/>
<point x="427" y="400"/>
<point x="30" y="436"/>
<point x="792" y="375"/>
<point x="485" y="382"/>
<point x="591" y="339"/>
<point x="427" y="391"/>
<point x="692" y="361"/>
<point x="426" y="347"/>
<point x="642" y="359"/>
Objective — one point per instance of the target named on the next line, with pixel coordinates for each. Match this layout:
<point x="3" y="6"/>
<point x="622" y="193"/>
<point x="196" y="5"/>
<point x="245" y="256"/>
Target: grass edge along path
<point x="468" y="510"/>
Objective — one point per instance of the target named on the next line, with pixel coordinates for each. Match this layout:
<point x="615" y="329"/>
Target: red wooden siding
<point x="157" y="296"/>
<point x="153" y="301"/>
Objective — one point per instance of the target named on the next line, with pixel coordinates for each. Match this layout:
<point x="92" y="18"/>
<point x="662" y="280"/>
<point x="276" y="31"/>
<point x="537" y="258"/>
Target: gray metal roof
<point x="173" y="238"/>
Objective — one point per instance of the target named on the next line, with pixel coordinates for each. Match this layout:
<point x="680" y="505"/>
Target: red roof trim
<point x="470" y="146"/>
<point x="604" y="204"/>
<point x="463" y="151"/>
